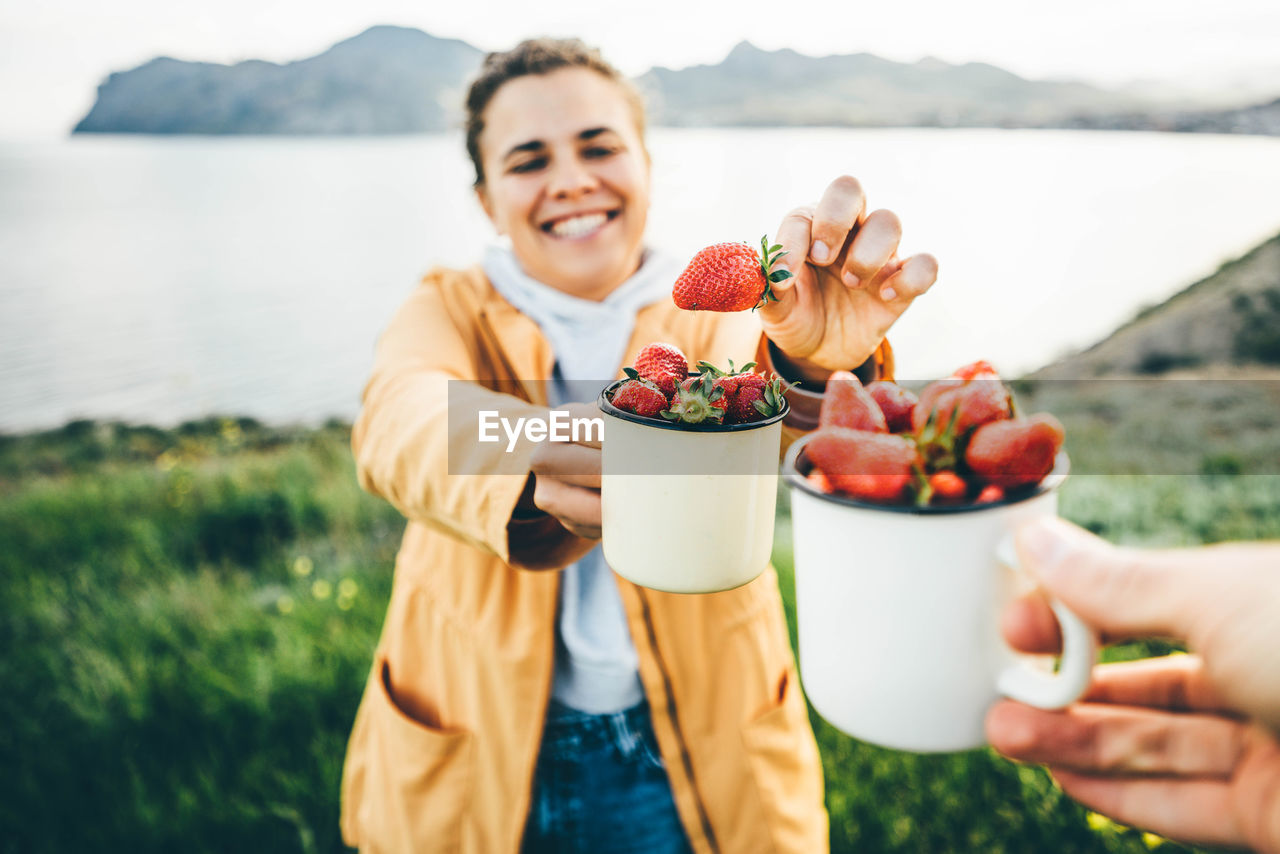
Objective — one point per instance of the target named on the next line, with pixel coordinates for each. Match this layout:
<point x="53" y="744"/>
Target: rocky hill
<point x="758" y="87"/>
<point x="1227" y="320"/>
<point x="402" y="80"/>
<point x="385" y="80"/>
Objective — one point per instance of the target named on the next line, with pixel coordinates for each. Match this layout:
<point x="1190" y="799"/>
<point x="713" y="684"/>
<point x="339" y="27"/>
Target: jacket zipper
<point x="675" y="722"/>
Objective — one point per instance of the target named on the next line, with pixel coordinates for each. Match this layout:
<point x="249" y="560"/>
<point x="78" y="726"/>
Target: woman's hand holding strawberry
<point x="851" y="287"/>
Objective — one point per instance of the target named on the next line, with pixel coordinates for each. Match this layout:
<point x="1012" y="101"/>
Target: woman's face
<point x="567" y="179"/>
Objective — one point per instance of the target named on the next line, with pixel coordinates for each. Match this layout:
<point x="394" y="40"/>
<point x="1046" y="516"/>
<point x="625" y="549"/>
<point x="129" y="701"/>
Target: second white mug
<point x="898" y="612"/>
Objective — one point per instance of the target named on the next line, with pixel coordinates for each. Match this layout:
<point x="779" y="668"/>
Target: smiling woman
<point x="523" y="697"/>
<point x="564" y="174"/>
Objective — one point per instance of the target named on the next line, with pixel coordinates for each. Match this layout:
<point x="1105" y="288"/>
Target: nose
<point x="571" y="178"/>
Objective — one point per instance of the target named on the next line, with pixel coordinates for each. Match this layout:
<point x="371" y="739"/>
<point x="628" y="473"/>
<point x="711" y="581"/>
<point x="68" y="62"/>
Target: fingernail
<point x="1042" y="541"/>
<point x="888" y="294"/>
<point x="820" y="252"/>
<point x="851" y="280"/>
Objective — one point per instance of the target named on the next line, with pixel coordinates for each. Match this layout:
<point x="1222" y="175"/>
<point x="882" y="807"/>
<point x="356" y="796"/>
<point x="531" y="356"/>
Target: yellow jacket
<point x="445" y="742"/>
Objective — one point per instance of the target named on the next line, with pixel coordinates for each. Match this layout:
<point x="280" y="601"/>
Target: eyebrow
<point x="537" y="144"/>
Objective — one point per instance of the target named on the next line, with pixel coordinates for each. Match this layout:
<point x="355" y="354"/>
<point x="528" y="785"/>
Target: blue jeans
<point x="601" y="787"/>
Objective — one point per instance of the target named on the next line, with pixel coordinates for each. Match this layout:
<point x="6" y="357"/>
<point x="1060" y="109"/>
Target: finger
<point x="1195" y="811"/>
<point x="912" y="278"/>
<point x="578" y="464"/>
<point x="794" y="236"/>
<point x="874" y="244"/>
<point x="576" y="508"/>
<point x="1124" y="740"/>
<point x="1121" y="592"/>
<point x="1173" y="682"/>
<point x="838" y="211"/>
<point x="1029" y="625"/>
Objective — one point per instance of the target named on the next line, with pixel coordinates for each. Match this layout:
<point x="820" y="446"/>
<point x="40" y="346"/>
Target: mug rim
<point x="606" y="406"/>
<point x="795" y="479"/>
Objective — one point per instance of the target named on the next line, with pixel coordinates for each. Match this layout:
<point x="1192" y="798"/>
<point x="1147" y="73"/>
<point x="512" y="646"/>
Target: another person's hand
<point x="1185" y="746"/>
<point x="848" y="287"/>
<point x="567" y="479"/>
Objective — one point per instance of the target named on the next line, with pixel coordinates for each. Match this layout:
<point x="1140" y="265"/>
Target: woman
<point x="523" y="697"/>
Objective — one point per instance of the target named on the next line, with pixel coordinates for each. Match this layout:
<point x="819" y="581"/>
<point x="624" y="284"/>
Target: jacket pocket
<point x="417" y="778"/>
<point x="784" y="760"/>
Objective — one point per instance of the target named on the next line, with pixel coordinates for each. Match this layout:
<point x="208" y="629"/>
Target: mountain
<point x="401" y="80"/>
<point x="1255" y="119"/>
<point x="385" y="80"/>
<point x="1230" y="318"/>
<point x="756" y="87"/>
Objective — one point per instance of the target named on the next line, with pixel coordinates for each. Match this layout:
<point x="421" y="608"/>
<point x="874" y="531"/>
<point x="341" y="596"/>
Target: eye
<point x="598" y="151"/>
<point x="531" y="165"/>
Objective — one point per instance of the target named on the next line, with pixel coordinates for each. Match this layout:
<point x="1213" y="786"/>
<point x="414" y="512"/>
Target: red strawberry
<point x="741" y="391"/>
<point x="895" y="402"/>
<point x="663" y="364"/>
<point x="871" y="466"/>
<point x="989" y="494"/>
<point x="845" y="403"/>
<point x="641" y="397"/>
<point x="698" y="400"/>
<point x="750" y="397"/>
<point x="1014" y="453"/>
<point x="947" y="487"/>
<point x="970" y="402"/>
<point x="980" y="368"/>
<point x="729" y="277"/>
<point x="820" y="481"/>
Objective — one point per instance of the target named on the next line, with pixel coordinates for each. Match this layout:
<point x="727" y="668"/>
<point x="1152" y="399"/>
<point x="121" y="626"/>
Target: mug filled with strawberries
<point x="689" y="474"/>
<point x="902" y="510"/>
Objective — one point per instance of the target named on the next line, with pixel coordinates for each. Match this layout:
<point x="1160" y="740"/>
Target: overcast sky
<point x="53" y="53"/>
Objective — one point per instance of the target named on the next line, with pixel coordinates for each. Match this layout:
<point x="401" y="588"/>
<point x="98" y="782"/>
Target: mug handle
<point x="1028" y="684"/>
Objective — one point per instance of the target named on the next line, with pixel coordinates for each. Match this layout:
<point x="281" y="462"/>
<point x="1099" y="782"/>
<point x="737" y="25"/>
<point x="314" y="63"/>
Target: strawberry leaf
<point x="708" y="368"/>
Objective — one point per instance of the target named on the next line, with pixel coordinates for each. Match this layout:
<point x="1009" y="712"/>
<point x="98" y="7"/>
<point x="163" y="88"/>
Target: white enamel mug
<point x="687" y="508"/>
<point x="898" y="610"/>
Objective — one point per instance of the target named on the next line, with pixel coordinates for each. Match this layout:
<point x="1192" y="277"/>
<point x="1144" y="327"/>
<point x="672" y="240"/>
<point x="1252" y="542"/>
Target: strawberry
<point x="1014" y="453"/>
<point x="663" y="364"/>
<point x="950" y="409"/>
<point x="820" y="481"/>
<point x="970" y="402"/>
<point x="980" y="368"/>
<point x="895" y="402"/>
<point x="872" y="466"/>
<point x="845" y="403"/>
<point x="697" y="401"/>
<point x="641" y="397"/>
<point x="947" y="487"/>
<point x="989" y="494"/>
<point x="748" y="396"/>
<point x="729" y="277"/>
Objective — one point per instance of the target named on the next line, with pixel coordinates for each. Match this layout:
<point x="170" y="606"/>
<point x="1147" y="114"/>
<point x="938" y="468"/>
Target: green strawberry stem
<point x="920" y="483"/>
<point x="769" y="256"/>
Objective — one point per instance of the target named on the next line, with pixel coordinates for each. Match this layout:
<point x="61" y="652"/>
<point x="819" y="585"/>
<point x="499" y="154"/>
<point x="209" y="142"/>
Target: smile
<point x="581" y="225"/>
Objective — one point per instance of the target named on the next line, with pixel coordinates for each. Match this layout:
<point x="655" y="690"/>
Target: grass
<point x="189" y="616"/>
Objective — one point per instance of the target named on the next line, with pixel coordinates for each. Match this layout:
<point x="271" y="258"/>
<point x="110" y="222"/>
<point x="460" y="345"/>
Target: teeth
<point x="578" y="225"/>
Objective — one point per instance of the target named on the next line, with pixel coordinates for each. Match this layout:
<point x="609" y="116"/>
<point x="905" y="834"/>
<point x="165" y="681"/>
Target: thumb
<point x="1119" y="592"/>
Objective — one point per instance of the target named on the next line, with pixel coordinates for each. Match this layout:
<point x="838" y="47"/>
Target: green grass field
<point x="188" y="616"/>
